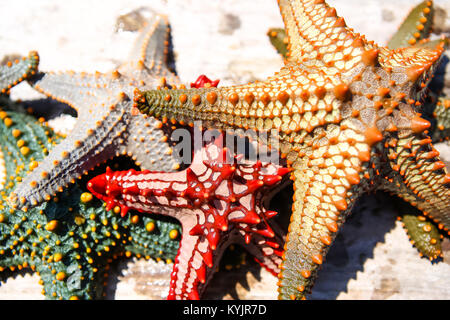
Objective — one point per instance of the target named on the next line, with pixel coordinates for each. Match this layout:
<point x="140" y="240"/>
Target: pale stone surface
<point x="371" y="259"/>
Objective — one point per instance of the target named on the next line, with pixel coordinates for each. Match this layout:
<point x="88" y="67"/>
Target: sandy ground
<point x="372" y="257"/>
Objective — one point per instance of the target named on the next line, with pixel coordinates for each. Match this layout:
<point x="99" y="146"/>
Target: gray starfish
<point x="107" y="125"/>
<point x="16" y="71"/>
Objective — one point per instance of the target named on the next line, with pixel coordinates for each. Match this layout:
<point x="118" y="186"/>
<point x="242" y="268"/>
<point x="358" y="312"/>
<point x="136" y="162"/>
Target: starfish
<point x="218" y="200"/>
<point x="414" y="31"/>
<point x="16" y="71"/>
<point x="346" y="114"/>
<point x="106" y="126"/>
<point x="69" y="242"/>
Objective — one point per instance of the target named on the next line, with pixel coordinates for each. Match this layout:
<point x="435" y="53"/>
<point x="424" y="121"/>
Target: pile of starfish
<point x="351" y="117"/>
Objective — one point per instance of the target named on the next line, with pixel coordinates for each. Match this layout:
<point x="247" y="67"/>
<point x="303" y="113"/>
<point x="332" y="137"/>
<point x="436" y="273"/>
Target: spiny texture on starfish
<point x="16" y="71"/>
<point x="218" y="200"/>
<point x="106" y="125"/>
<point x="423" y="235"/>
<point x="416" y="26"/>
<point x="279" y="40"/>
<point x="71" y="241"/>
<point x="347" y="119"/>
<point x="441" y="114"/>
<point x="415" y="30"/>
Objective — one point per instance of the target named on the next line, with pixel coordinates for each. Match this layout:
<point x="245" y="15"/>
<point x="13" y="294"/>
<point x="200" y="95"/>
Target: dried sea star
<point x="218" y="201"/>
<point x="346" y="113"/>
<point x="106" y="125"/>
<point x="71" y="241"/>
<point x="414" y="31"/>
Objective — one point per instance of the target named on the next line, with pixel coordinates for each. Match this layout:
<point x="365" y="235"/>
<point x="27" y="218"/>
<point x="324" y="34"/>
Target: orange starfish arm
<point x="312" y="26"/>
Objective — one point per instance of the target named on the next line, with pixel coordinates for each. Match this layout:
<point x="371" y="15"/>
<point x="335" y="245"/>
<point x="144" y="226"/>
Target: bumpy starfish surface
<point x="218" y="201"/>
<point x="16" y="71"/>
<point x="106" y="125"/>
<point x="69" y="242"/>
<point x="346" y="114"/>
<point x="414" y="31"/>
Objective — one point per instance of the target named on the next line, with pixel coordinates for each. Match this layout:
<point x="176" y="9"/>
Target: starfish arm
<point x="266" y="252"/>
<point x="190" y="271"/>
<point x="14" y="72"/>
<point x="416" y="63"/>
<point x="420" y="177"/>
<point x="148" y="144"/>
<point x="311" y="25"/>
<point x="86" y="146"/>
<point x="322" y="201"/>
<point x="423" y="234"/>
<point x="68" y="281"/>
<point x="152" y="46"/>
<point x="15" y="226"/>
<point x="442" y="117"/>
<point x="82" y="91"/>
<point x="417" y="26"/>
<point x="279" y="40"/>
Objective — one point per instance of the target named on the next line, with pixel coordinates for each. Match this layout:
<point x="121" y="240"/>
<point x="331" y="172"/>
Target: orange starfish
<point x="346" y="114"/>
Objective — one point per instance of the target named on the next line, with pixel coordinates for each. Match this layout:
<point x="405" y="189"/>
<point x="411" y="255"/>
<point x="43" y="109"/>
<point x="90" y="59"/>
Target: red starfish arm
<point x="192" y="267"/>
<point x="249" y="106"/>
<point x="204" y="82"/>
<point x="267" y="252"/>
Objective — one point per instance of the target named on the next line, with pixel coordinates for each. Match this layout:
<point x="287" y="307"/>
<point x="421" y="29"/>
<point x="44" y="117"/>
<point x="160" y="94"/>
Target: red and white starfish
<point x="218" y="199"/>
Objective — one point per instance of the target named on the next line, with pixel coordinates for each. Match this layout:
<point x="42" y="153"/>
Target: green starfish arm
<point x="16" y="71"/>
<point x="424" y="235"/>
<point x="442" y="116"/>
<point x="279" y="40"/>
<point x="153" y="237"/>
<point x="416" y="26"/>
<point x="71" y="241"/>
